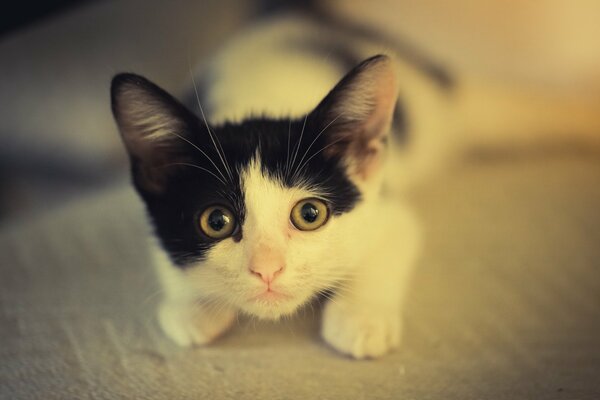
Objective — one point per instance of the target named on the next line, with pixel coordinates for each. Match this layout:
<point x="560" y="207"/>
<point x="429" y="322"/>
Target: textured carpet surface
<point x="505" y="304"/>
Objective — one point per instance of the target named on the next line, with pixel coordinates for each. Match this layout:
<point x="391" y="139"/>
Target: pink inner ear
<point x="384" y="96"/>
<point x="369" y="107"/>
<point x="378" y="125"/>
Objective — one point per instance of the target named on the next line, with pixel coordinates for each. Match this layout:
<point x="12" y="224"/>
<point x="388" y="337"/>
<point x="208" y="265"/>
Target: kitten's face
<point x="274" y="266"/>
<point x="264" y="214"/>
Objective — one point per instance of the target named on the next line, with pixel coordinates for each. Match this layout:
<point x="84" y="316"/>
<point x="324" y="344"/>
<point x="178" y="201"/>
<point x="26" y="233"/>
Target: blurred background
<point x="505" y="298"/>
<point x="57" y="136"/>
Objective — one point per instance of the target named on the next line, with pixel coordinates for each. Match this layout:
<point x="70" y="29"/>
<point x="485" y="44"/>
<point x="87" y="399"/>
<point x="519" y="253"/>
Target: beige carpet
<point x="505" y="304"/>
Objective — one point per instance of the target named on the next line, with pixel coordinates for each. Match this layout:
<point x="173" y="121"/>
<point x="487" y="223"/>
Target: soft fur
<point x="278" y="129"/>
<point x="260" y="168"/>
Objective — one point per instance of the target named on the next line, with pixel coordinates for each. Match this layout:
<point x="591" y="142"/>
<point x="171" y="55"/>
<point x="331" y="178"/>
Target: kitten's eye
<point x="217" y="222"/>
<point x="309" y="214"/>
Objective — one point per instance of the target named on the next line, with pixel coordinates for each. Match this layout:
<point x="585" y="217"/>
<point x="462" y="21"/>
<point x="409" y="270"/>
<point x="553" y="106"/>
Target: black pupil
<point x="217" y="220"/>
<point x="309" y="213"/>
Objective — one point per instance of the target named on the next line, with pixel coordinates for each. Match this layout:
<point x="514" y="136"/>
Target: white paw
<point x="360" y="334"/>
<point x="190" y="324"/>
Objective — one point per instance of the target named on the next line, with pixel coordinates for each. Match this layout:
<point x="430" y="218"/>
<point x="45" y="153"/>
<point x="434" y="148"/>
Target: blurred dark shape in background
<point x="57" y="137"/>
<point x="14" y="17"/>
<point x="23" y="13"/>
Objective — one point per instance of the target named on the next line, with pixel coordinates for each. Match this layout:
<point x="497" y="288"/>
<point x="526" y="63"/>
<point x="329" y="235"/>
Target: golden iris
<point x="309" y="214"/>
<point x="217" y="222"/>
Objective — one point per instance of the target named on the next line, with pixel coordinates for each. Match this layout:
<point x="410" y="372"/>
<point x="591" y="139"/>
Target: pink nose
<point x="266" y="272"/>
<point x="266" y="263"/>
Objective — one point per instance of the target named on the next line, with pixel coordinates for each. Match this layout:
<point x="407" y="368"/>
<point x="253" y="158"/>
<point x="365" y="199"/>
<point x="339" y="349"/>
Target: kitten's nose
<point x="266" y="263"/>
<point x="266" y="273"/>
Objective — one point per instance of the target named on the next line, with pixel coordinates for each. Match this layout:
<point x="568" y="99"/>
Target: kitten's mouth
<point x="270" y="295"/>
<point x="271" y="304"/>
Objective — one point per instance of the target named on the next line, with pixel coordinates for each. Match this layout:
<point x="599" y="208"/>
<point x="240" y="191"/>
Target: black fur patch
<point x="289" y="150"/>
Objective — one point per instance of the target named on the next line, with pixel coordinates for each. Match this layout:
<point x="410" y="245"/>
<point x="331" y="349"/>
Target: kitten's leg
<point x="364" y="319"/>
<point x="189" y="323"/>
<point x="183" y="316"/>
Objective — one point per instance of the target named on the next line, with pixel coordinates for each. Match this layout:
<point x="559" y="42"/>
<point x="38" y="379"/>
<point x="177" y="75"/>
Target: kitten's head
<point x="265" y="213"/>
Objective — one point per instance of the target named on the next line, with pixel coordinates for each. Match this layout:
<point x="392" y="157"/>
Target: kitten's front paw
<point x="191" y="324"/>
<point x="359" y="333"/>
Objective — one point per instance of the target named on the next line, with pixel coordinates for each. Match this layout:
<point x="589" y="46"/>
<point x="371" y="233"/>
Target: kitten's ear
<point x="153" y="125"/>
<point x="356" y="115"/>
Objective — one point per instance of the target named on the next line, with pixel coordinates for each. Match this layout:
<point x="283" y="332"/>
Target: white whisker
<point x="197" y="166"/>
<point x="316" y="153"/>
<point x="316" y="138"/>
<point x="212" y="136"/>
<point x="287" y="158"/>
<point x="299" y="142"/>
<point x="201" y="151"/>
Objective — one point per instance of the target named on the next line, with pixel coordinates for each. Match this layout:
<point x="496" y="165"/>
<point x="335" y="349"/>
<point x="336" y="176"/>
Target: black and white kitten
<point x="287" y="187"/>
<point x="261" y="215"/>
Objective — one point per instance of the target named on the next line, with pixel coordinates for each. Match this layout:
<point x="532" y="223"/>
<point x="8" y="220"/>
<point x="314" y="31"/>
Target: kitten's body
<point x="285" y="65"/>
<point x="275" y="133"/>
<point x="286" y="77"/>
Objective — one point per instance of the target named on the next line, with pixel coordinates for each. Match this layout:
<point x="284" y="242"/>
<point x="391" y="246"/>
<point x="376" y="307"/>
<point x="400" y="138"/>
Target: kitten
<point x="292" y="184"/>
<point x="262" y="214"/>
